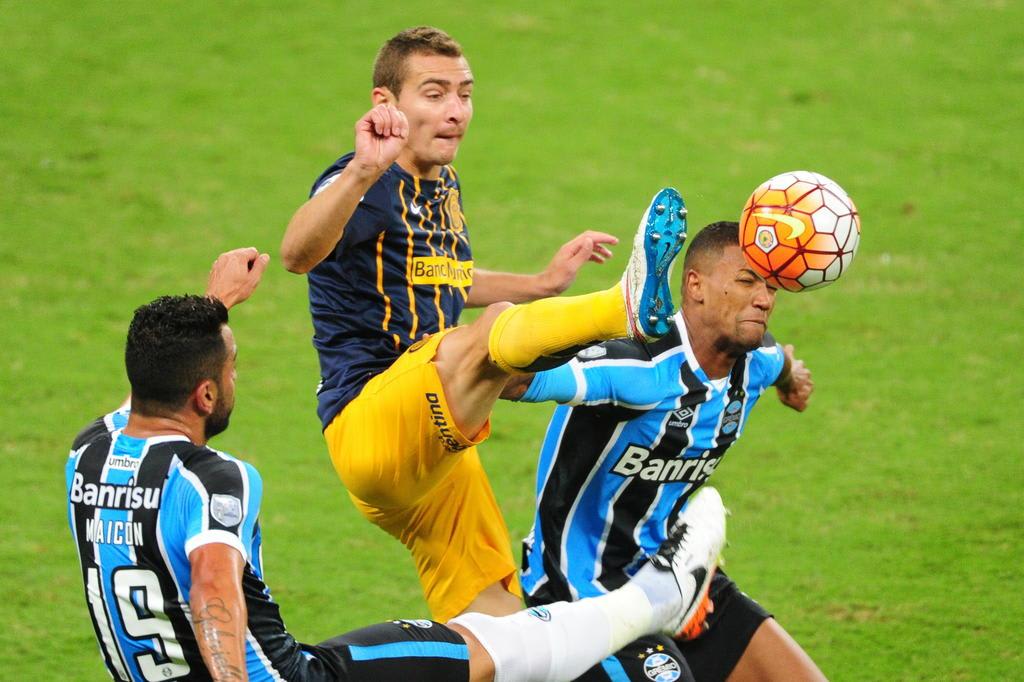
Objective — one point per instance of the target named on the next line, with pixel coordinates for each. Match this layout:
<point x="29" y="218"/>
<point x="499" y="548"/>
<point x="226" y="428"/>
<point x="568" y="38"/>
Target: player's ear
<point x="383" y="95"/>
<point x="693" y="286"/>
<point x="205" y="396"/>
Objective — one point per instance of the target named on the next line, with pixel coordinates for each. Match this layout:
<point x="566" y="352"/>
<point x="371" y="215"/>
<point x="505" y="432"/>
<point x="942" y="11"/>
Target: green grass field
<point x="883" y="527"/>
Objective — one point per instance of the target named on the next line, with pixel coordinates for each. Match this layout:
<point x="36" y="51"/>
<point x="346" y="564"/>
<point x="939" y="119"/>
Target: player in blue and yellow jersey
<point x="386" y="248"/>
<point x="641" y="427"/>
<point x="168" y="536"/>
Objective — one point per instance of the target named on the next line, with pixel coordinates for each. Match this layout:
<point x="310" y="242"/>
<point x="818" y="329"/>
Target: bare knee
<point x="466" y="348"/>
<point x="489" y="315"/>
<point x="486" y="324"/>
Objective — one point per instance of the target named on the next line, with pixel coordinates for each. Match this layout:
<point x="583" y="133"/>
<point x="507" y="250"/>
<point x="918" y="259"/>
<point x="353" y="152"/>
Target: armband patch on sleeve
<point x="226" y="509"/>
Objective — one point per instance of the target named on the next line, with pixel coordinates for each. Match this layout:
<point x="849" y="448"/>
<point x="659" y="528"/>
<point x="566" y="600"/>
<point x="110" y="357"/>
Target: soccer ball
<point x="799" y="231"/>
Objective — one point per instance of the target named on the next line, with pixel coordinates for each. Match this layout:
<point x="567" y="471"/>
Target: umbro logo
<point x="683" y="413"/>
<point x="681" y="418"/>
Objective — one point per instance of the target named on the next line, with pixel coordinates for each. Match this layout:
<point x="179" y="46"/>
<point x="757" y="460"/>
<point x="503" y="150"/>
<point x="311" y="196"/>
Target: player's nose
<point x="764" y="298"/>
<point x="458" y="110"/>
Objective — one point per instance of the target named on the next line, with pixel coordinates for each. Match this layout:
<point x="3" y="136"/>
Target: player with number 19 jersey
<point x="137" y="508"/>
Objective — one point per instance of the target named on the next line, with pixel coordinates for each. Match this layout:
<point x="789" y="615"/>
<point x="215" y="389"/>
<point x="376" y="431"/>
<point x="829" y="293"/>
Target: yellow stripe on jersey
<point x="380" y="282"/>
<point x="408" y="261"/>
<point x="443" y="225"/>
<point x="444" y="211"/>
<point x="419" y="193"/>
<point x="427" y="213"/>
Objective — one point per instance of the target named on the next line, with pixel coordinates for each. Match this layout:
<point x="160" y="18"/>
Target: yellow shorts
<point x="410" y="471"/>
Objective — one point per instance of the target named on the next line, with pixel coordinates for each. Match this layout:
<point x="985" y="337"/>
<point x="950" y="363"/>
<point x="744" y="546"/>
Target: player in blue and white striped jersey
<point x="168" y="537"/>
<point x="640" y="427"/>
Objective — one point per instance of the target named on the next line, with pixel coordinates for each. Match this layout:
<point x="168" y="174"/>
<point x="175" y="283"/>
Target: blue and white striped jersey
<point x="640" y="428"/>
<point x="137" y="508"/>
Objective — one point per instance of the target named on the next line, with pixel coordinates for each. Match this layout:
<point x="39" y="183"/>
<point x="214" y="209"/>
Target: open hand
<point x="563" y="268"/>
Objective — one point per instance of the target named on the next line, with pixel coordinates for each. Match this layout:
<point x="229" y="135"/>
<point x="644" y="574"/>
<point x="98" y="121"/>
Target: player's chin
<point x="445" y="149"/>
<point x="750" y="335"/>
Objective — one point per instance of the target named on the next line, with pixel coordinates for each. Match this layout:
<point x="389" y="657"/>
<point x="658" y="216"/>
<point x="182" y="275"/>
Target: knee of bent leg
<point x="480" y="331"/>
<point x="492" y="311"/>
<point x="466" y="351"/>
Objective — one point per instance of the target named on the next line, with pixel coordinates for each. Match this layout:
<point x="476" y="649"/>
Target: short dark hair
<point x="389" y="68"/>
<point x="173" y="343"/>
<point x="712" y="241"/>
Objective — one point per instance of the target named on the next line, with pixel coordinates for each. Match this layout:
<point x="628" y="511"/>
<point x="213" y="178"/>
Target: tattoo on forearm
<point x="208" y="622"/>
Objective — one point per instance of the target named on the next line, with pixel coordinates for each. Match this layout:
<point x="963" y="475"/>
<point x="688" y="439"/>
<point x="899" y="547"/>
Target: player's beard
<point x="218" y="420"/>
<point x="738" y="346"/>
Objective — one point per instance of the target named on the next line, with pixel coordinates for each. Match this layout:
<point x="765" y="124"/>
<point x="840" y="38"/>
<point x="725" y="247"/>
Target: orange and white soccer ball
<point x="800" y="231"/>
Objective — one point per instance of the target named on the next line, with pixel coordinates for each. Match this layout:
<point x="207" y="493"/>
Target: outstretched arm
<point x="219" y="616"/>
<point x="794" y="385"/>
<point x="581" y="382"/>
<point x="234" y="276"/>
<point x="491" y="287"/>
<point x="318" y="224"/>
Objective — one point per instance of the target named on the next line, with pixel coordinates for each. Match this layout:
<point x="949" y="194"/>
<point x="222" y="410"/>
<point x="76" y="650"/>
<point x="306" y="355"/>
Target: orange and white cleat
<point x="692" y="553"/>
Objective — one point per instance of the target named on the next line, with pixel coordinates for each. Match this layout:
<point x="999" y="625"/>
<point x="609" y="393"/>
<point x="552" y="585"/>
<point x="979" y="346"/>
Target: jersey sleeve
<point x="561" y="385"/>
<point x="579" y="382"/>
<point x="369" y="217"/>
<point x="221" y="503"/>
<point x="767" y="362"/>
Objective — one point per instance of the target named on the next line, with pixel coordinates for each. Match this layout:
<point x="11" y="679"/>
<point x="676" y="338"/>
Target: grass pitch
<point x="883" y="526"/>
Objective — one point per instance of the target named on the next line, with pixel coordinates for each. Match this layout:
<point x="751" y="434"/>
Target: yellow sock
<point x="524" y="333"/>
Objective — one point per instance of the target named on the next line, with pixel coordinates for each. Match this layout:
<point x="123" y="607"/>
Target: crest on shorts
<point x="661" y="667"/>
<point x="226" y="509"/>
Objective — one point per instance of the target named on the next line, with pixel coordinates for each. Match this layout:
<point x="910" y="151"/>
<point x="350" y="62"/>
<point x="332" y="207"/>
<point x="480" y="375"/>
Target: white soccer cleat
<point x="646" y="285"/>
<point x="692" y="553"/>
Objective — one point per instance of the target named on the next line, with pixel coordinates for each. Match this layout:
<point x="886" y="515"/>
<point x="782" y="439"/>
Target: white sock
<point x="561" y="641"/>
<point x="661" y="589"/>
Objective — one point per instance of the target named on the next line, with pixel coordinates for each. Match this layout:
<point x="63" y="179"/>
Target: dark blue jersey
<point x="641" y="428"/>
<point x="137" y="508"/>
<point x="402" y="268"/>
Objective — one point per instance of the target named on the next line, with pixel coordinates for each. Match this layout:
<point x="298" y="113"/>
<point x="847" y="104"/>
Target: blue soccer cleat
<point x="646" y="282"/>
